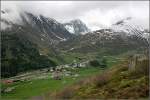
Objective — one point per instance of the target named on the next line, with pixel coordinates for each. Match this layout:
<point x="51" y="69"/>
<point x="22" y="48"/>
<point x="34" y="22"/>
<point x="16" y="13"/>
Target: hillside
<point x="104" y="41"/>
<point x="116" y="82"/>
<point x="31" y="45"/>
<point x="40" y="30"/>
<point x="20" y="55"/>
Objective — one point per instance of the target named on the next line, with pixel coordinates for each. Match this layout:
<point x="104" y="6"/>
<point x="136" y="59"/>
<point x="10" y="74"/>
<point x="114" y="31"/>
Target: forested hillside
<point x="19" y="55"/>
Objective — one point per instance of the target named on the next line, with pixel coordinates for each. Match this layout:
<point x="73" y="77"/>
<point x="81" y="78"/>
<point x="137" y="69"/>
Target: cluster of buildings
<point x="62" y="70"/>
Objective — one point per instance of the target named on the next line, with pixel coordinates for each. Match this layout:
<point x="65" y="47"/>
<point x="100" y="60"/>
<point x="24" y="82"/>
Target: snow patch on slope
<point x="70" y="28"/>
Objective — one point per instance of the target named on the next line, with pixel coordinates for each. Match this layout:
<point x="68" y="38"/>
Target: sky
<point x="95" y="14"/>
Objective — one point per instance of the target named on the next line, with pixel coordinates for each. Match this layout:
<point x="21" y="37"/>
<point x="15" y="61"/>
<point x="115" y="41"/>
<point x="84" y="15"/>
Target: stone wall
<point x="135" y="60"/>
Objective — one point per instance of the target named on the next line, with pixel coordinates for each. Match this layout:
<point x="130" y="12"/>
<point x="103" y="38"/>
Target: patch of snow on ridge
<point x="38" y="17"/>
<point x="71" y="48"/>
<point x="146" y="35"/>
<point x="70" y="28"/>
<point x="61" y="39"/>
<point x="4" y="26"/>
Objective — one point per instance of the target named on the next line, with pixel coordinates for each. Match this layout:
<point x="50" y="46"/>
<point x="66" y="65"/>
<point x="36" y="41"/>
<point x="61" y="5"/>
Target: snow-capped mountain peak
<point x="127" y="26"/>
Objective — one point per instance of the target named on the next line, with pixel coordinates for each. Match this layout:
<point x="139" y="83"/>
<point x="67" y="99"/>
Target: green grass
<point x="70" y="57"/>
<point x="28" y="89"/>
<point x="112" y="60"/>
<point x="116" y="83"/>
<point x="36" y="87"/>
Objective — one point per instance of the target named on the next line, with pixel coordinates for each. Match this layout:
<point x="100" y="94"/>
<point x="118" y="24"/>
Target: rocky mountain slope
<point x="76" y="27"/>
<point x="104" y="41"/>
<point x="120" y="37"/>
<point x="45" y="32"/>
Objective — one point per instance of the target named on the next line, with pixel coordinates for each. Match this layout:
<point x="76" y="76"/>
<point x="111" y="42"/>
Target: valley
<point x="94" y="55"/>
<point x="41" y="82"/>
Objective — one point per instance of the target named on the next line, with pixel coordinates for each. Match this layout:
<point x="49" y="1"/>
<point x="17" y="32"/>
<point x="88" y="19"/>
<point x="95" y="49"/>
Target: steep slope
<point x="18" y="54"/>
<point x="126" y="25"/>
<point x="47" y="26"/>
<point x="45" y="32"/>
<point x="76" y="27"/>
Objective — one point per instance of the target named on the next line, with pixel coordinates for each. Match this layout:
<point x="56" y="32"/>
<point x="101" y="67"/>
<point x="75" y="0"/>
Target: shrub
<point x="103" y="63"/>
<point x="94" y="63"/>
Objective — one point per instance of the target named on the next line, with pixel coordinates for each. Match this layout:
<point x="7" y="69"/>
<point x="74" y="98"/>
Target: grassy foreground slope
<point x="35" y="87"/>
<point x="117" y="82"/>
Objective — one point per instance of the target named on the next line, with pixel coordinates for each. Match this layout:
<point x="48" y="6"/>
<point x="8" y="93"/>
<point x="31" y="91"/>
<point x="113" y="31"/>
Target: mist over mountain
<point x="46" y="29"/>
<point x="48" y="32"/>
<point x="96" y="15"/>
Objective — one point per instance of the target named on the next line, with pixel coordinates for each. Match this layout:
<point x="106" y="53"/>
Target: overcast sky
<point x="95" y="14"/>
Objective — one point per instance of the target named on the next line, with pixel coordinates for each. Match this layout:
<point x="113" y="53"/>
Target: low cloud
<point x="96" y="14"/>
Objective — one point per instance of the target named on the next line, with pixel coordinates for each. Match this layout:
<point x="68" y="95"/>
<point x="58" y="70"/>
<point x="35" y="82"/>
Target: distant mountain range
<point x="48" y="34"/>
<point x="104" y="41"/>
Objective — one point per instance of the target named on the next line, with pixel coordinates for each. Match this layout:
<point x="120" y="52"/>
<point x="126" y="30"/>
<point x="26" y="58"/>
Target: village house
<point x="7" y="81"/>
<point x="66" y="66"/>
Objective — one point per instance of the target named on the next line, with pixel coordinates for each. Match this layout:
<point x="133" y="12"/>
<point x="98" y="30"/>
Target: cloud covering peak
<point x="95" y="14"/>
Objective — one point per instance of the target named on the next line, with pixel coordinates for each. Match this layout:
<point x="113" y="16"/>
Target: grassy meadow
<point x="40" y="86"/>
